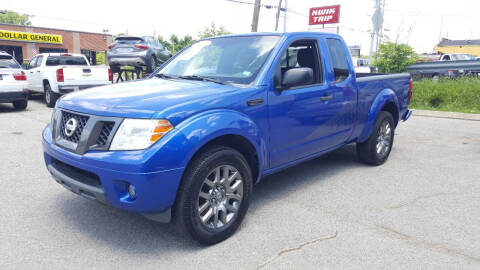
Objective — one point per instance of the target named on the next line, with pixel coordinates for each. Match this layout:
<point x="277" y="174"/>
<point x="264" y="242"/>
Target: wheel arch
<point x="386" y="100"/>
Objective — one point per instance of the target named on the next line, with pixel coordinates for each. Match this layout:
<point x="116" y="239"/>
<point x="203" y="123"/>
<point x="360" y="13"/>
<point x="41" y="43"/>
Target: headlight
<point x="137" y="134"/>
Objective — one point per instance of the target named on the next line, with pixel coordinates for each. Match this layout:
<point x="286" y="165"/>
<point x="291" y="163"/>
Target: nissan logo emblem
<point x="70" y="127"/>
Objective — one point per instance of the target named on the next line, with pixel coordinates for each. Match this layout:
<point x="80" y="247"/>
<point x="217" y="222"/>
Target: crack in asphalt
<point x="299" y="247"/>
<point x="419" y="198"/>
<point x="439" y="247"/>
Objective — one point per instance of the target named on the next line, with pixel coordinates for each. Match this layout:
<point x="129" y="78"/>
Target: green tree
<point x="11" y="17"/>
<point x="213" y="31"/>
<point x="176" y="44"/>
<point x="393" y="57"/>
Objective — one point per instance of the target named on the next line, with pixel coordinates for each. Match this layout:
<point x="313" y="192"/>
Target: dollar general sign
<point x="30" y="37"/>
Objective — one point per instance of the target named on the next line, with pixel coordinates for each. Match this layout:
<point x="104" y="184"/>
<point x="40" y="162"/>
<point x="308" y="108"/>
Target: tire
<point x="376" y="149"/>
<point x="49" y="96"/>
<point x="152" y="64"/>
<point x="20" y="104"/>
<point x="223" y="210"/>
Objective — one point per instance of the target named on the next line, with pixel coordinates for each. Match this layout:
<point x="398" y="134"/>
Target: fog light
<point x="131" y="191"/>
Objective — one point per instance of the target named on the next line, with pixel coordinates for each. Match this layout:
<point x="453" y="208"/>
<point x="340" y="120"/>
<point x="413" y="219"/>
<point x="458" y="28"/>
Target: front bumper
<point x="104" y="176"/>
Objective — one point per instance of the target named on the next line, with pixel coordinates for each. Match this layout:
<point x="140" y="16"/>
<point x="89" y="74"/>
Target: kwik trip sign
<point x="30" y="37"/>
<point x="324" y="15"/>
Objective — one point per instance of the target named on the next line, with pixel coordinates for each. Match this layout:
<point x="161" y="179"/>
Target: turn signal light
<point x="410" y="90"/>
<point x="60" y="75"/>
<point x="163" y="126"/>
<point x="110" y="75"/>
<point x="21" y="76"/>
<point x="140" y="46"/>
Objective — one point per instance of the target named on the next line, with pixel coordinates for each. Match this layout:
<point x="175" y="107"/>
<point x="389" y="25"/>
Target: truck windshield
<point x="228" y="60"/>
<point x="66" y="60"/>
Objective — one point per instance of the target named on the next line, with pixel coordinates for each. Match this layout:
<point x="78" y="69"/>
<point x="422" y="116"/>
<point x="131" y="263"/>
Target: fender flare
<point x="200" y="129"/>
<point x="383" y="97"/>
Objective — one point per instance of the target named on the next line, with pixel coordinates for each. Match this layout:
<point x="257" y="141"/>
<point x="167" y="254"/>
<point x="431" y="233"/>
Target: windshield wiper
<point x="164" y="76"/>
<point x="200" y="78"/>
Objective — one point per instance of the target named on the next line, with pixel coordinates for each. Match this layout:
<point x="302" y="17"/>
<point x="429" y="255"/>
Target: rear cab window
<point x="338" y="58"/>
<point x="6" y="61"/>
<point x="66" y="61"/>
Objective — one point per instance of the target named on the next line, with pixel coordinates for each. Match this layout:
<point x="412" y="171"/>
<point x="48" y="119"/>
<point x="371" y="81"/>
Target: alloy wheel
<point x="220" y="197"/>
<point x="384" y="139"/>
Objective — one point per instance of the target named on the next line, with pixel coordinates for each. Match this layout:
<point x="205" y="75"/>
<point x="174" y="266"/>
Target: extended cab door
<point x="313" y="117"/>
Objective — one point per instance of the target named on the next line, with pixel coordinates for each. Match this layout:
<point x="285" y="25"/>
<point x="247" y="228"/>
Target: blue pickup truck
<point x="190" y="142"/>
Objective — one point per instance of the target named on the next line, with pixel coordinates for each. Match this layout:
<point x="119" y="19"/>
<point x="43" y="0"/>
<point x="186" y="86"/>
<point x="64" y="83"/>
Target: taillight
<point x="20" y="76"/>
<point x="410" y="90"/>
<point x="142" y="47"/>
<point x="60" y="75"/>
<point x="111" y="46"/>
<point x="110" y="75"/>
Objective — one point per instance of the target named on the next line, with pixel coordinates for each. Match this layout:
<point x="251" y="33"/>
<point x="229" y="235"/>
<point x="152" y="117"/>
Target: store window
<point x="15" y="51"/>
<point x="91" y="56"/>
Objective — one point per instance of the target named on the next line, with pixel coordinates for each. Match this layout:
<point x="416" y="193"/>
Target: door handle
<point x="38" y="71"/>
<point x="31" y="72"/>
<point x="326" y="97"/>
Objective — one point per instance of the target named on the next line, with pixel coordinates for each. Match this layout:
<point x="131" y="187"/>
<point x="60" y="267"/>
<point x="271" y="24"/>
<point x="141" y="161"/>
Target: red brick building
<point x="25" y="41"/>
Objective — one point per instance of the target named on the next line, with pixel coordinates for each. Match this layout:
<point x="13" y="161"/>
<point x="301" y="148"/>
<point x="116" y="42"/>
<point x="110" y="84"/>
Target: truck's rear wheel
<point x="20" y="104"/>
<point x="376" y="149"/>
<point x="49" y="96"/>
<point x="214" y="195"/>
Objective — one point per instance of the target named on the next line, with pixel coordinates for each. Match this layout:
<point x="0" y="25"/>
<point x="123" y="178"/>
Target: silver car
<point x="138" y="52"/>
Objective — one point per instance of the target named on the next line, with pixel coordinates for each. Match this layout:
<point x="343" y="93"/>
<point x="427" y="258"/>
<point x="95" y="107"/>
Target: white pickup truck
<point x="54" y="74"/>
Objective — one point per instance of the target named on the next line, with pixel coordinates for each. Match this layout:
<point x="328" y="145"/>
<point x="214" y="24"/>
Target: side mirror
<point x="297" y="76"/>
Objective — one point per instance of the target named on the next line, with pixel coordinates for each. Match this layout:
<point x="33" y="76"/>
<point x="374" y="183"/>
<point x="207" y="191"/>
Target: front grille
<point x="104" y="133"/>
<point x="81" y="122"/>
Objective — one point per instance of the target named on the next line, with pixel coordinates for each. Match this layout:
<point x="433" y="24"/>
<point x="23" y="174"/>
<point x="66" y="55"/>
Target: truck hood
<point x="149" y="98"/>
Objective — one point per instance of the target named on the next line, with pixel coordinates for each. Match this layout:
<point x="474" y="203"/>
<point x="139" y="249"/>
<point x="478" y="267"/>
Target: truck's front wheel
<point x="214" y="195"/>
<point x="376" y="149"/>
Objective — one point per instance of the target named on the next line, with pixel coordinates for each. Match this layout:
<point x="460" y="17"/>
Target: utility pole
<point x="285" y="18"/>
<point x="278" y="14"/>
<point x="377" y="20"/>
<point x="256" y="13"/>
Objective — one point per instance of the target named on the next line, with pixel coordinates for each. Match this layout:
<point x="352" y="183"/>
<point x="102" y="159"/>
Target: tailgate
<point x="85" y="75"/>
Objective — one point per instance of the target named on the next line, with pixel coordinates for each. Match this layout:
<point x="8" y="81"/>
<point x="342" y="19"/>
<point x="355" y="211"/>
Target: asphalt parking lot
<point x="420" y="210"/>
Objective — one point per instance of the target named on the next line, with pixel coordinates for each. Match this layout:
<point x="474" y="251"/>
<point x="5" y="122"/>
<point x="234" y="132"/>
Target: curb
<point x="448" y="115"/>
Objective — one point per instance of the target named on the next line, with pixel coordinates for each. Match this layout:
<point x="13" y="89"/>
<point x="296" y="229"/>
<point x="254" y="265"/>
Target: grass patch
<point x="455" y="95"/>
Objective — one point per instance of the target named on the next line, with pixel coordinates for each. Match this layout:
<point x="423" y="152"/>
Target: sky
<point x="419" y="23"/>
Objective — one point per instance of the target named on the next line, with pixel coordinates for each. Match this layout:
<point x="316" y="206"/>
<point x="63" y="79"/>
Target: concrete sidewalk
<point x="450" y="115"/>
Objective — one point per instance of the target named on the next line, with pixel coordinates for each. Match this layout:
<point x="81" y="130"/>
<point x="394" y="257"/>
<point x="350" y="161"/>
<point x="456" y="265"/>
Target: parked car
<point x="193" y="138"/>
<point x="457" y="57"/>
<point x="449" y="65"/>
<point x="55" y="74"/>
<point x="361" y="65"/>
<point x="13" y="82"/>
<point x="138" y="52"/>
